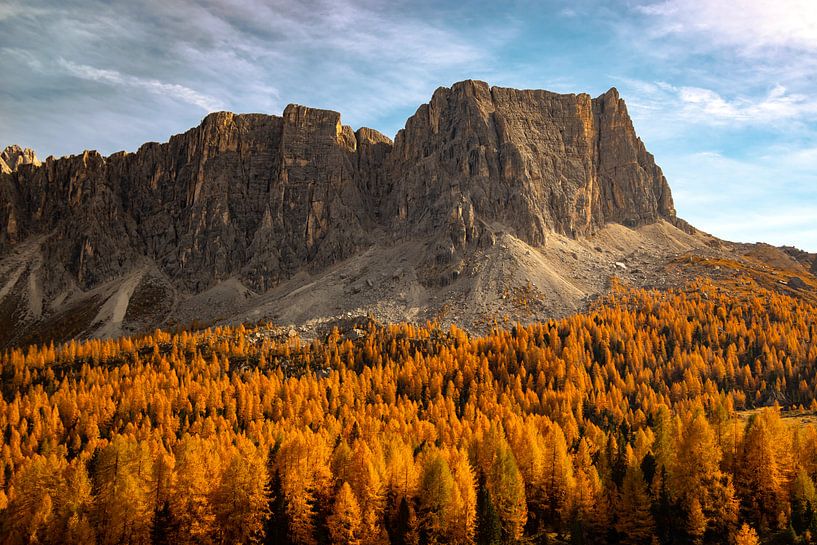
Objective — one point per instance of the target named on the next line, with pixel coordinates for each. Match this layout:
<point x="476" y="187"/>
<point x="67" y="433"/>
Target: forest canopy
<point x="639" y="421"/>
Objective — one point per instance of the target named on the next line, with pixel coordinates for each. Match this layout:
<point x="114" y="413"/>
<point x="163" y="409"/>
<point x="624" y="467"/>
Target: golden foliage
<point x="620" y="418"/>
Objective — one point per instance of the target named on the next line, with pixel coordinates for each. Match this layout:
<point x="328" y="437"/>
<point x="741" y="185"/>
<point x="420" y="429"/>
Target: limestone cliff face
<point x="251" y="195"/>
<point x="534" y="161"/>
<point x="261" y="198"/>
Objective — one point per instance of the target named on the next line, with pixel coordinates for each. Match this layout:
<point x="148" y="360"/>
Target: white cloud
<point x="370" y="59"/>
<point x="730" y="62"/>
<point x="754" y="27"/>
<point x="361" y="57"/>
<point x="664" y="107"/>
<point x="112" y="77"/>
<point x="23" y="56"/>
<point x="707" y="106"/>
<point x="10" y="9"/>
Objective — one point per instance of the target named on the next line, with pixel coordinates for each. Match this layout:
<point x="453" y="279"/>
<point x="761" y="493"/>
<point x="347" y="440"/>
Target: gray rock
<point x="797" y="283"/>
<point x="261" y="198"/>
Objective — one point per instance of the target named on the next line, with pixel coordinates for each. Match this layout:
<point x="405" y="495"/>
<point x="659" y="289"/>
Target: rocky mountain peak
<point x="258" y="200"/>
<point x="533" y="161"/>
<point x="14" y="156"/>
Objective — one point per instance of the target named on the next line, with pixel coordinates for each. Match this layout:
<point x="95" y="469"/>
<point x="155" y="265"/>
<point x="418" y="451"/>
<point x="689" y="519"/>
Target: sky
<point x="721" y="91"/>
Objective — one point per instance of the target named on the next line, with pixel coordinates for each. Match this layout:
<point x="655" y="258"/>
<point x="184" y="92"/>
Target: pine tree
<point x="696" y="522"/>
<point x="803" y="497"/>
<point x="508" y="493"/>
<point x="163" y="528"/>
<point x="406" y="526"/>
<point x="697" y="483"/>
<point x="436" y="493"/>
<point x="462" y="514"/>
<point x="30" y="507"/>
<point x="765" y="468"/>
<point x="558" y="474"/>
<point x="72" y="504"/>
<point x="665" y="511"/>
<point x="276" y="525"/>
<point x="586" y="495"/>
<point x="240" y="501"/>
<point x="345" y="521"/>
<point x="489" y="526"/>
<point x="195" y="479"/>
<point x="122" y="501"/>
<point x="635" y="521"/>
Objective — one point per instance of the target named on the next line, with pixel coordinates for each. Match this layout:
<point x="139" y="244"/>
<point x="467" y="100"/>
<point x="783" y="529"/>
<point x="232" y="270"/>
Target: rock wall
<point x="535" y="161"/>
<point x="262" y="197"/>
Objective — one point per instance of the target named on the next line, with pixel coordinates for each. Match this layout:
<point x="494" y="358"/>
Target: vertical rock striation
<point x="251" y="195"/>
<point x="534" y="161"/>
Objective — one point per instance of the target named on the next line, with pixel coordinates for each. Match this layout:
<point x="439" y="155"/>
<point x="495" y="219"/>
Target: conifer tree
<point x="489" y="526"/>
<point x="406" y="527"/>
<point x="436" y="494"/>
<point x="163" y="528"/>
<point x="240" y="500"/>
<point x="634" y="520"/>
<point x="345" y="521"/>
<point x="508" y="493"/>
<point x="276" y="525"/>
<point x="696" y="522"/>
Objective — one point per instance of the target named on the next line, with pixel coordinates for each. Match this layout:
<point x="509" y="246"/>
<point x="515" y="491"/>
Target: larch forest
<point x="655" y="417"/>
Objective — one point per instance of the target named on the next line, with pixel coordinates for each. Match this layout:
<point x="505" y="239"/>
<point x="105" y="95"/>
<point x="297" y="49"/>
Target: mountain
<point x="490" y="201"/>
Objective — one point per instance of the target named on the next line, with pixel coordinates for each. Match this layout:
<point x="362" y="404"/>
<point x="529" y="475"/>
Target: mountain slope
<point x="488" y="198"/>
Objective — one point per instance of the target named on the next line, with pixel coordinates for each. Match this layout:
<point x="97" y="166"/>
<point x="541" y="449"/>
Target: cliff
<point x="261" y="198"/>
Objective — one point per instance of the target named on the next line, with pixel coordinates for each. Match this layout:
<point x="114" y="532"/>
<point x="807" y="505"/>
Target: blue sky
<point x="722" y="92"/>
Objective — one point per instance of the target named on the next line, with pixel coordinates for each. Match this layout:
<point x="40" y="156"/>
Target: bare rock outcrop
<point x="14" y="156"/>
<point x="259" y="199"/>
<point x="534" y="162"/>
<point x="251" y="195"/>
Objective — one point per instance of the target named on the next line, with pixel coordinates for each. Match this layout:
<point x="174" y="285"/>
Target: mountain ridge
<point x="244" y="205"/>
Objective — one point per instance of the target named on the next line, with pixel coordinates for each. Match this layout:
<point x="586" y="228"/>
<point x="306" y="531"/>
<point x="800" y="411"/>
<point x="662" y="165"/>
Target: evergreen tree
<point x="345" y="522"/>
<point x="405" y="528"/>
<point x="436" y="493"/>
<point x="508" y="493"/>
<point x="746" y="536"/>
<point x="696" y="522"/>
<point x="665" y="512"/>
<point x="489" y="526"/>
<point x="164" y="527"/>
<point x="276" y="525"/>
<point x="635" y="522"/>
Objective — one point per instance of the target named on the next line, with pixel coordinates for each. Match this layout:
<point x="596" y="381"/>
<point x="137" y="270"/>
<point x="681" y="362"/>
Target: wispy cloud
<point x="770" y="197"/>
<point x="112" y="77"/>
<point x="751" y="27"/>
<point x="364" y="58"/>
<point x="702" y="106"/>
